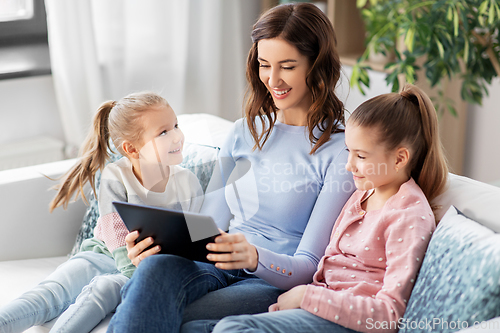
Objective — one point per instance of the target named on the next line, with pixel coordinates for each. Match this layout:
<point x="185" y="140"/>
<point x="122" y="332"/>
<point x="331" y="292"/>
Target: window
<point x="23" y="39"/>
<point x="13" y="10"/>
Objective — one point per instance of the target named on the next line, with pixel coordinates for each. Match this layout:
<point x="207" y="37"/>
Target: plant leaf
<point x="482" y="8"/>
<point x="466" y="50"/>
<point x="358" y="75"/>
<point x="410" y="38"/>
<point x="410" y="74"/>
<point x="452" y="110"/>
<point x="481" y="12"/>
<point x="455" y="21"/>
<point x="440" y="48"/>
<point x="360" y="3"/>
<point x="491" y="15"/>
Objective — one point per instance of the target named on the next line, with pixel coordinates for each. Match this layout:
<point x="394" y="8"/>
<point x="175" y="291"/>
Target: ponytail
<point x="93" y="156"/>
<point x="430" y="169"/>
<point x="409" y="118"/>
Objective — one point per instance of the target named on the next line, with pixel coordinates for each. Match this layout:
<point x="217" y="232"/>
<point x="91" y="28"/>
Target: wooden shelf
<point x="348" y="25"/>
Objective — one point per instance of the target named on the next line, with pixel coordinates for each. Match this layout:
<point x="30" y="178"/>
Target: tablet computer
<point x="184" y="234"/>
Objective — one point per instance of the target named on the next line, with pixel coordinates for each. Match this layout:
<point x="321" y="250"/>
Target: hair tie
<point x="411" y="97"/>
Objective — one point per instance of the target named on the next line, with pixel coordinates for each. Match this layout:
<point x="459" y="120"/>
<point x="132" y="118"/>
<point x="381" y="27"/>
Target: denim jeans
<point x="286" y="321"/>
<point x="167" y="290"/>
<point x="89" y="280"/>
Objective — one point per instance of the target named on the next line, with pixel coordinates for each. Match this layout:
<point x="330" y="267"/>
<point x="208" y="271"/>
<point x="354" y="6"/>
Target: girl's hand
<point x="135" y="251"/>
<point x="241" y="254"/>
<point x="289" y="300"/>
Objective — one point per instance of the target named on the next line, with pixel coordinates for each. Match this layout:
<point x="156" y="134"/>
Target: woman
<point x="282" y="170"/>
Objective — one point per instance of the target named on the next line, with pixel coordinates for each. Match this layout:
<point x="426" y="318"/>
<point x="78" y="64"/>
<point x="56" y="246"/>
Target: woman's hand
<point x="135" y="251"/>
<point x="240" y="253"/>
<point x="289" y="300"/>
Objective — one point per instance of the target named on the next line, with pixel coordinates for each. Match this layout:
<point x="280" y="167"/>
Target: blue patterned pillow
<point x="459" y="282"/>
<point x="200" y="159"/>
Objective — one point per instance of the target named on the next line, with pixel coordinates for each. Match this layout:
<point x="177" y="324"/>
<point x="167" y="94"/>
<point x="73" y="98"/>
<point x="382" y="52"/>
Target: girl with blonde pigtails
<point x="82" y="291"/>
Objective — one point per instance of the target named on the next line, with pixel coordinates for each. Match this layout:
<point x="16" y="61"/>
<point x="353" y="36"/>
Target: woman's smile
<point x="280" y="94"/>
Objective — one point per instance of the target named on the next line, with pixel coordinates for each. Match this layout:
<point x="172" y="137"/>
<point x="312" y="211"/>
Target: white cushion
<point x="203" y="128"/>
<point x="479" y="201"/>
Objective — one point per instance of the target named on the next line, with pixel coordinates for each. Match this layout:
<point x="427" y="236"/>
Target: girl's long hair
<point x="115" y="121"/>
<point x="409" y="119"/>
<point x="306" y="27"/>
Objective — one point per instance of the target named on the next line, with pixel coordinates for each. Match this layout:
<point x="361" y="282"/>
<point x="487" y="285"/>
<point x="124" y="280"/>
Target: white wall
<point x="482" y="151"/>
<point x="28" y="109"/>
<point x="352" y="97"/>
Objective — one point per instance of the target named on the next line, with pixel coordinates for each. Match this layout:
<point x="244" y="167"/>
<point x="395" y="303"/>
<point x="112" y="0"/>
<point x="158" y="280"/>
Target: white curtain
<point x="192" y="52"/>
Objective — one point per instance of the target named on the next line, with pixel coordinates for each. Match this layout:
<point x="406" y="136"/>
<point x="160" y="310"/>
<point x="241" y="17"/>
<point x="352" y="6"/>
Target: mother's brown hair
<point x="306" y="27"/>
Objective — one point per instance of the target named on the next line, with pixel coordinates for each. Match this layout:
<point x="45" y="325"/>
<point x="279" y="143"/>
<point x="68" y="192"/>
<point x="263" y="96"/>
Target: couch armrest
<point x="28" y="229"/>
<point x="477" y="200"/>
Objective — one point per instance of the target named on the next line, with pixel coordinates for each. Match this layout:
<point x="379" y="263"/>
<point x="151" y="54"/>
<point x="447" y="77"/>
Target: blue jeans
<point x="286" y="321"/>
<point x="83" y="290"/>
<point x="157" y="296"/>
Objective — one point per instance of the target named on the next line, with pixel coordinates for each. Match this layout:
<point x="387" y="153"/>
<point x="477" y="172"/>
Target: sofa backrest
<point x="476" y="200"/>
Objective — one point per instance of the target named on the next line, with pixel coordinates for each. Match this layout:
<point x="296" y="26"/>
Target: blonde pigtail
<point x="93" y="156"/>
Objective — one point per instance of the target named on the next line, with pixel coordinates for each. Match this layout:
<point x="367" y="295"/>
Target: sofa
<point x="458" y="285"/>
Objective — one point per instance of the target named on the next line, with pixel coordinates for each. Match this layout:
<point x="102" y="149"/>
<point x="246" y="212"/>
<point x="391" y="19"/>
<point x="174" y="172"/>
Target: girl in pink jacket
<point x="365" y="278"/>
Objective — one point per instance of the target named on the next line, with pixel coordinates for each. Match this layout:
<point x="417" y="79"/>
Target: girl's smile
<point x="357" y="178"/>
<point x="176" y="151"/>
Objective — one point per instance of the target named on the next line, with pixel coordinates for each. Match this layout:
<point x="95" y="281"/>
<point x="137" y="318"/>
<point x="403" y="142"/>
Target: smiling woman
<point x="307" y="53"/>
<point x="283" y="70"/>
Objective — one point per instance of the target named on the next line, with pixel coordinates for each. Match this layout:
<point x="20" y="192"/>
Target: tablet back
<point x="180" y="233"/>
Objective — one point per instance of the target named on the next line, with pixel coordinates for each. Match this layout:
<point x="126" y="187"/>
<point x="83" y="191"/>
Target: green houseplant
<point x="454" y="37"/>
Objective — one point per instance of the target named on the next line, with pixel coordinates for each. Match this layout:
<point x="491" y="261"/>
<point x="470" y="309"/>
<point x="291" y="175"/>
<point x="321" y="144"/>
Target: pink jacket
<point x="365" y="278"/>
